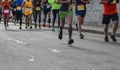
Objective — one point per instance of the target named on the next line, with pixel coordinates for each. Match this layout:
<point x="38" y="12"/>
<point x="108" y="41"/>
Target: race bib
<point x="6" y="11"/>
<point x="28" y="9"/>
<point x="19" y="8"/>
<point x="37" y="8"/>
<point x="81" y="7"/>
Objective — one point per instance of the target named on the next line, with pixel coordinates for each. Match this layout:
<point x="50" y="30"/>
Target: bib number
<point x="28" y="9"/>
<point x="6" y="11"/>
<point x="19" y="8"/>
<point x="37" y="8"/>
<point x="80" y="7"/>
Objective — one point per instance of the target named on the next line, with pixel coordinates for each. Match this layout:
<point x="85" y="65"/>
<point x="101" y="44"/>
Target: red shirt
<point x="6" y="4"/>
<point x="110" y="9"/>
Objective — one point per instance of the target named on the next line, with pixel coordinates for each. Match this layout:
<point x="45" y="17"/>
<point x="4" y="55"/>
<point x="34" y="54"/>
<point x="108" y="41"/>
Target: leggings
<point x="55" y="13"/>
<point x="36" y="14"/>
<point x="19" y="17"/>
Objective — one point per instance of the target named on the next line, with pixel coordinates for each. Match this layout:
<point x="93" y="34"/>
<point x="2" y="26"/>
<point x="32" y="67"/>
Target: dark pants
<point x="19" y="17"/>
<point x="55" y="13"/>
<point x="36" y="15"/>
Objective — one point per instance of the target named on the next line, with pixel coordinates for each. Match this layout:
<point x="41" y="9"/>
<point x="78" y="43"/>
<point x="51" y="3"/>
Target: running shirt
<point x="66" y="6"/>
<point x="48" y="7"/>
<point x="28" y="7"/>
<point x="13" y="5"/>
<point x="80" y="5"/>
<point x="54" y="5"/>
<point x="109" y="9"/>
<point x="37" y="4"/>
<point x="6" y="8"/>
<point x="18" y="4"/>
<point x="6" y="4"/>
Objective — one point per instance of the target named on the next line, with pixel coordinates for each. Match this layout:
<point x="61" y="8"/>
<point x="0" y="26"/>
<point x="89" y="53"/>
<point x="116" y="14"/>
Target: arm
<point x="23" y="4"/>
<point x="42" y="3"/>
<point x="62" y="2"/>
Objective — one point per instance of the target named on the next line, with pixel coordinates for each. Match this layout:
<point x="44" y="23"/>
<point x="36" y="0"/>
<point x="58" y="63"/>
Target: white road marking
<point x="31" y="59"/>
<point x="55" y="51"/>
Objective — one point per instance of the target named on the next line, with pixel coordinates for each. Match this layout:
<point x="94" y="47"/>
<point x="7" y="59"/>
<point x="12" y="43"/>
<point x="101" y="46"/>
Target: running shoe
<point x="60" y="35"/>
<point x="30" y="27"/>
<point x="20" y="27"/>
<point x="26" y="27"/>
<point x="49" y="26"/>
<point x="113" y="38"/>
<point x="71" y="41"/>
<point x="53" y="29"/>
<point x="44" y="25"/>
<point x="39" y="26"/>
<point x="81" y="36"/>
<point x="106" y="39"/>
<point x="35" y="25"/>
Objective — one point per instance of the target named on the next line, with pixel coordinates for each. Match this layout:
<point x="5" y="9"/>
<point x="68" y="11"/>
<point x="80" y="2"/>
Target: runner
<point x="46" y="11"/>
<point x="6" y="12"/>
<point x="13" y="11"/>
<point x="80" y="12"/>
<point x="66" y="11"/>
<point x="18" y="4"/>
<point x="55" y="12"/>
<point x="110" y="11"/>
<point x="0" y="12"/>
<point x="28" y="13"/>
<point x="37" y="12"/>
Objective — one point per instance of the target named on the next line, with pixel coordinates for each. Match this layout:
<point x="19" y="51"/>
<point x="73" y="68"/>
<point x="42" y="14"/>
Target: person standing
<point x="37" y="12"/>
<point x="81" y="12"/>
<point x="66" y="12"/>
<point x="55" y="12"/>
<point x="110" y="12"/>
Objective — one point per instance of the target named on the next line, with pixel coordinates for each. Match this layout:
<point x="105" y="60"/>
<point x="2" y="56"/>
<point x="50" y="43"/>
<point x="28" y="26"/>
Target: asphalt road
<point x="40" y="49"/>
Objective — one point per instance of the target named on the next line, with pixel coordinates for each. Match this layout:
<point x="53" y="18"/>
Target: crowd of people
<point x="61" y="8"/>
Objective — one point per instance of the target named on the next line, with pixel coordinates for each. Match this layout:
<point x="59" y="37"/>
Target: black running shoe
<point x="81" y="36"/>
<point x="26" y="27"/>
<point x="113" y="38"/>
<point x="70" y="41"/>
<point x="39" y="26"/>
<point x="60" y="35"/>
<point x="106" y="39"/>
<point x="20" y="27"/>
<point x="35" y="26"/>
<point x="30" y="27"/>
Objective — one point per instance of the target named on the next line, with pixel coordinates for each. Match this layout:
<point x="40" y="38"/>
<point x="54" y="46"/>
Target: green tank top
<point x="54" y="5"/>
